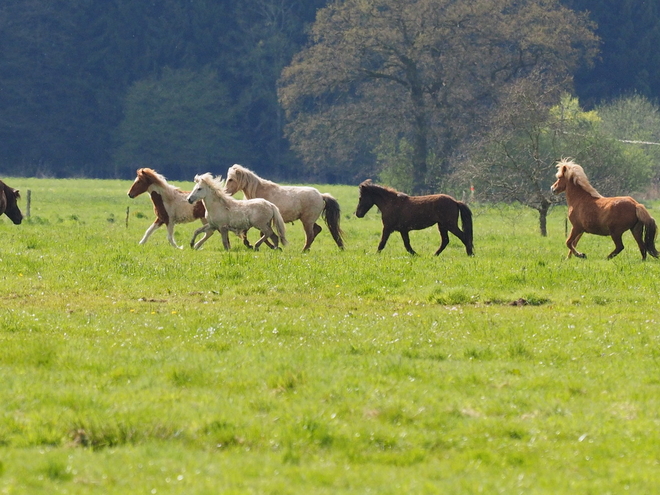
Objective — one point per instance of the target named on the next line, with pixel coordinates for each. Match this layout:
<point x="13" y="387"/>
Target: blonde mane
<point x="214" y="183"/>
<point x="247" y="180"/>
<point x="574" y="173"/>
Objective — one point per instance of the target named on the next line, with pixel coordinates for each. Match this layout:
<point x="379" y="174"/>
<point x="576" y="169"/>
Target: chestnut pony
<point x="170" y="203"/>
<point x="404" y="213"/>
<point x="592" y="213"/>
<point x="8" y="204"/>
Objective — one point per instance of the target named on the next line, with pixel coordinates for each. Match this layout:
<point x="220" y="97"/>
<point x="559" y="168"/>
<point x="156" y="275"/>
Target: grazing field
<point x="146" y="369"/>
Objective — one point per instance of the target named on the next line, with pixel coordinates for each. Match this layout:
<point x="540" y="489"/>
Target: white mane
<point x="573" y="172"/>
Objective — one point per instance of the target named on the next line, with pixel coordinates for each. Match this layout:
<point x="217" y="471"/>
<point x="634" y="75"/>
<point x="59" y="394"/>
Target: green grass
<point x="146" y="369"/>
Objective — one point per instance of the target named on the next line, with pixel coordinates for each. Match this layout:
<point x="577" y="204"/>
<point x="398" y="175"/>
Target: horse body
<point x="591" y="213"/>
<point x="8" y="203"/>
<point x="294" y="202"/>
<point x="224" y="213"/>
<point x="403" y="213"/>
<point x="170" y="204"/>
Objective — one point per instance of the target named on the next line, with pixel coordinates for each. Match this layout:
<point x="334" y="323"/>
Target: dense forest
<point x="97" y="88"/>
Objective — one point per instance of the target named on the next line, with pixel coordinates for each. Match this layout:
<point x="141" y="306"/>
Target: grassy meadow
<point x="146" y="369"/>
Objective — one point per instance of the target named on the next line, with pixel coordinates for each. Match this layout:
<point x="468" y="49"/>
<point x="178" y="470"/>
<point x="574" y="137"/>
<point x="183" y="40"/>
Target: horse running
<point x="225" y="213"/>
<point x="170" y="204"/>
<point x="592" y="213"/>
<point x="294" y="202"/>
<point x="8" y="203"/>
<point x="404" y="213"/>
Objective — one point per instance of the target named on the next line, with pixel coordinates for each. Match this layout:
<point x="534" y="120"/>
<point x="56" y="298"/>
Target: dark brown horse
<point x="592" y="213"/>
<point x="404" y="213"/>
<point x="8" y="203"/>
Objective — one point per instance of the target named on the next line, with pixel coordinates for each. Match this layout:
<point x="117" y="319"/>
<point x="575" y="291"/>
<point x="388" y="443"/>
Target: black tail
<point x="650" y="231"/>
<point x="331" y="215"/>
<point x="466" y="218"/>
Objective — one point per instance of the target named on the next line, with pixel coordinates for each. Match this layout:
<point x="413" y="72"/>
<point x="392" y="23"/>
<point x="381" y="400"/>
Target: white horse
<point x="225" y="213"/>
<point x="295" y="202"/>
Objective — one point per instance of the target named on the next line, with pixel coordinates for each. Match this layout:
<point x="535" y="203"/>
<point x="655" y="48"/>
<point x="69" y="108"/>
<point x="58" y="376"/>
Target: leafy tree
<point x="635" y="120"/>
<point x="178" y="123"/>
<point x="423" y="70"/>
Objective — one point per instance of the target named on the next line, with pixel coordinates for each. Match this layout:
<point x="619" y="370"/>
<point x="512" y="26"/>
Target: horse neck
<point x="575" y="193"/>
<point x="258" y="188"/>
<point x="384" y="199"/>
<point x="217" y="197"/>
<point x="167" y="191"/>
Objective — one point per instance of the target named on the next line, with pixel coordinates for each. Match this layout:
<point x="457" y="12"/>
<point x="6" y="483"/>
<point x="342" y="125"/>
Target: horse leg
<point x="317" y="229"/>
<point x="310" y="233"/>
<point x="383" y="238"/>
<point x="572" y="241"/>
<point x="170" y="235"/>
<point x="267" y="232"/>
<point x="637" y="232"/>
<point x="445" y="239"/>
<point x="618" y="245"/>
<point x="406" y="242"/>
<point x="461" y="236"/>
<point x="225" y="239"/>
<point x="207" y="229"/>
<point x="244" y="238"/>
<point x="150" y="231"/>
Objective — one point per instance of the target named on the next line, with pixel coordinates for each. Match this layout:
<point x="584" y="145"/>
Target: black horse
<point x="404" y="213"/>
<point x="8" y="205"/>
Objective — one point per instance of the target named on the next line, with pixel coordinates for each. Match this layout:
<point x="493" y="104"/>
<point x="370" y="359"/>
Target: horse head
<point x="240" y="178"/>
<point x="570" y="173"/>
<point x="235" y="180"/>
<point x="142" y="182"/>
<point x="366" y="200"/>
<point x="11" y="206"/>
<point x="560" y="184"/>
<point x="205" y="184"/>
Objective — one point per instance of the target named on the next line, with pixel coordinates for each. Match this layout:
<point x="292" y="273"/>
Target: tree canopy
<point x="423" y="70"/>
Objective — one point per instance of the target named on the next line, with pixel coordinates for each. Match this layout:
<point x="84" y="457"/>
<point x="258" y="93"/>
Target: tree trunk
<point x="543" y="218"/>
<point x="420" y="142"/>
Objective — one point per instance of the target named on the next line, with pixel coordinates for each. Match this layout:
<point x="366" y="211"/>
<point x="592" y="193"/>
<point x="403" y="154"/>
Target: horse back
<point x="294" y="202"/>
<point x="605" y="215"/>
<point x="420" y="212"/>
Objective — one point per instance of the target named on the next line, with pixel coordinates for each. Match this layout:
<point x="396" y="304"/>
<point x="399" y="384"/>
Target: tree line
<point x="409" y="91"/>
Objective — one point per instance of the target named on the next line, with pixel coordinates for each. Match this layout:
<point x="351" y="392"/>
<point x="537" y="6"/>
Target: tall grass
<point x="146" y="369"/>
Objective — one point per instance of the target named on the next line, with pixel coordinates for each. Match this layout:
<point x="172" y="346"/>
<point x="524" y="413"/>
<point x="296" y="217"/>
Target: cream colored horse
<point x="225" y="214"/>
<point x="294" y="202"/>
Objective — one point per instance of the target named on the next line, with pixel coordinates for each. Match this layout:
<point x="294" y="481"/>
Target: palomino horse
<point x="294" y="202"/>
<point x="592" y="213"/>
<point x="8" y="203"/>
<point x="404" y="213"/>
<point x="225" y="213"/>
<point x="170" y="204"/>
